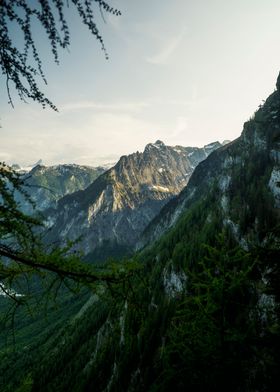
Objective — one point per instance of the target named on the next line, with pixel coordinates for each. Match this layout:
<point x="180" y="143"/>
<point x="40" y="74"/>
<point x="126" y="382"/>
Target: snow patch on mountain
<point x="160" y="188"/>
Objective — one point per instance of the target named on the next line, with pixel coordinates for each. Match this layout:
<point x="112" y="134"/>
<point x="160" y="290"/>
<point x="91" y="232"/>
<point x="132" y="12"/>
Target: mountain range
<point x="111" y="213"/>
<point x="47" y="184"/>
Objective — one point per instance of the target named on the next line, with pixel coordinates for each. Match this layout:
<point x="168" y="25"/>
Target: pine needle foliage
<point x="22" y="67"/>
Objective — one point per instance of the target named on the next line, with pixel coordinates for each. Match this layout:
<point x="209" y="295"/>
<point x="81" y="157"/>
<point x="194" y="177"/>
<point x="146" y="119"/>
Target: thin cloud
<point x="119" y="107"/>
<point x="127" y="107"/>
<point x="162" y="57"/>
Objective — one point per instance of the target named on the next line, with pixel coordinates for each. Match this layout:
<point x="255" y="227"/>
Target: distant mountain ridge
<point x="47" y="184"/>
<point x="119" y="204"/>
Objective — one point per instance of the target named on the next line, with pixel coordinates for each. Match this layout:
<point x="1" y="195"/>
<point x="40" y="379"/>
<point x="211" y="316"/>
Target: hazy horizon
<point x="106" y="161"/>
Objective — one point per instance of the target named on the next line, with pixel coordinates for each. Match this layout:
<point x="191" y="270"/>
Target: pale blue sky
<point x="184" y="71"/>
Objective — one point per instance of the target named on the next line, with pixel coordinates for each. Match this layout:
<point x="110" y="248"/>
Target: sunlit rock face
<point x="118" y="205"/>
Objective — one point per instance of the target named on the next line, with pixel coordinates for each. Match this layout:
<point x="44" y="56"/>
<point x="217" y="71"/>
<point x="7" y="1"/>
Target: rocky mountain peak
<point x="159" y="143"/>
<point x="154" y="146"/>
<point x="212" y="146"/>
<point x="37" y="169"/>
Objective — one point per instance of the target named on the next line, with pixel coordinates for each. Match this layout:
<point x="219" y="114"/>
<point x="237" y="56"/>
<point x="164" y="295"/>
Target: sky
<point x="187" y="72"/>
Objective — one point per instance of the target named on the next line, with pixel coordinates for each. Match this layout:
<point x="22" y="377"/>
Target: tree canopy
<point x="22" y="66"/>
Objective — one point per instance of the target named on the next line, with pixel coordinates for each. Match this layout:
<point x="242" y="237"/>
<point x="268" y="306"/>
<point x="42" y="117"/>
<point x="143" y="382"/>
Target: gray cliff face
<point x="46" y="185"/>
<point x="253" y="158"/>
<point x="119" y="204"/>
